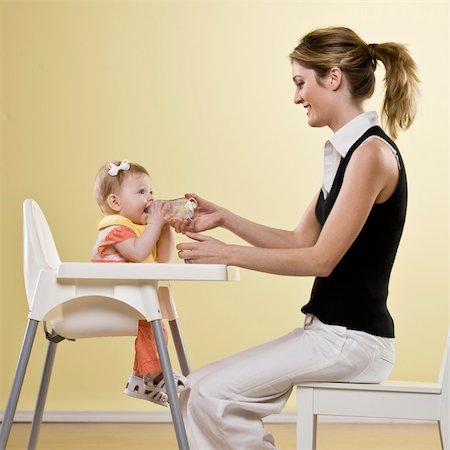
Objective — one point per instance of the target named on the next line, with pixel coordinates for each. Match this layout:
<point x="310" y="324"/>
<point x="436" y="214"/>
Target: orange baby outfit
<point x="112" y="230"/>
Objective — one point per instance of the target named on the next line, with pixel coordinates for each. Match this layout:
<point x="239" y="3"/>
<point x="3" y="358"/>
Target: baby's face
<point x="135" y="195"/>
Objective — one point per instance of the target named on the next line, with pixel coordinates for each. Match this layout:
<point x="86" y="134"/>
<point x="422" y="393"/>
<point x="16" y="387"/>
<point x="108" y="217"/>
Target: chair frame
<point x="390" y="400"/>
<point x="131" y="292"/>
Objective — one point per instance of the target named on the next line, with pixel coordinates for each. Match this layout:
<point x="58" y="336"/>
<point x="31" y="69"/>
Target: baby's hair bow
<point x="114" y="170"/>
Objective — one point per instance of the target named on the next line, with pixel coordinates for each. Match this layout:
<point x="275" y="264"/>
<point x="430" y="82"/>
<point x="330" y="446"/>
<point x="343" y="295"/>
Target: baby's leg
<point x="146" y="358"/>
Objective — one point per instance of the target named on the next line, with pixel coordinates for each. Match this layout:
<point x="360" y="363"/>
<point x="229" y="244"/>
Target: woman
<point x="347" y="238"/>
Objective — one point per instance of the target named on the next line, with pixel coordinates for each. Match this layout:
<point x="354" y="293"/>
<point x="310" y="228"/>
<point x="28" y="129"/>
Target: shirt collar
<point x="346" y="136"/>
<point x="339" y="144"/>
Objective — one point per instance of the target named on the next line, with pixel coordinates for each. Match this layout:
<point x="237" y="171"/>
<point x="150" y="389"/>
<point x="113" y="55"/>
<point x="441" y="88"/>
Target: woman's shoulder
<point x="375" y="163"/>
<point x="376" y="152"/>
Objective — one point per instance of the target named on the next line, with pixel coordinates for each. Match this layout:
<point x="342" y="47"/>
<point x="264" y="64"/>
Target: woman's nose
<point x="298" y="99"/>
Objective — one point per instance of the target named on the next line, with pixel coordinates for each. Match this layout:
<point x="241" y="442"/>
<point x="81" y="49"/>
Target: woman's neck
<point x="345" y="115"/>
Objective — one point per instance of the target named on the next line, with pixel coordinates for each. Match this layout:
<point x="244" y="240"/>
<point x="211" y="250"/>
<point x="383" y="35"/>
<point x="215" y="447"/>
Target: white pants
<point x="228" y="398"/>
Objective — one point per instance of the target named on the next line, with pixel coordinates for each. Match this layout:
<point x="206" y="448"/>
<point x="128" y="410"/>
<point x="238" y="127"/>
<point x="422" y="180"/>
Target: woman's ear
<point x="113" y="202"/>
<point x="335" y="77"/>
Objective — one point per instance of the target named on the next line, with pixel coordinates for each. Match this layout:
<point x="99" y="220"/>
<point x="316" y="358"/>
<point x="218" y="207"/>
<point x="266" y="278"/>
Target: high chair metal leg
<point x="19" y="376"/>
<point x="42" y="396"/>
<point x="179" y="347"/>
<point x="166" y="367"/>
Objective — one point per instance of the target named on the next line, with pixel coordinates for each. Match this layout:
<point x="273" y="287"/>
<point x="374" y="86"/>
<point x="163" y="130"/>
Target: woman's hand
<point x="206" y="217"/>
<point x="205" y="250"/>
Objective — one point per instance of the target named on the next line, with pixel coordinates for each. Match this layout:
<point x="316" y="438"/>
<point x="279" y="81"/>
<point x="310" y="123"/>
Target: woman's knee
<point x="203" y="391"/>
<point x="205" y="397"/>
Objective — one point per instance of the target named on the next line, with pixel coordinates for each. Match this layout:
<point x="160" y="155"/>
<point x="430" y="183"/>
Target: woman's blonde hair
<point x="106" y="184"/>
<point x="325" y="48"/>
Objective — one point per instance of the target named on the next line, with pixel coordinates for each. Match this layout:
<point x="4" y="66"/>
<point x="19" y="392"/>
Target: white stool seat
<point x="391" y="400"/>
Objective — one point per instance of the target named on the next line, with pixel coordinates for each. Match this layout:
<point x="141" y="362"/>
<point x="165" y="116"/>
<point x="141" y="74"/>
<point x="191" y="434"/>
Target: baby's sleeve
<point x="117" y="234"/>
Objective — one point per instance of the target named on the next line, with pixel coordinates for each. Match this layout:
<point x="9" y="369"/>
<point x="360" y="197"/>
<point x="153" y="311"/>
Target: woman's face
<point x="316" y="98"/>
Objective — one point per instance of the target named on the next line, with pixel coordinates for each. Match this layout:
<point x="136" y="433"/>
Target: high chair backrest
<point x="444" y="375"/>
<point x="39" y="250"/>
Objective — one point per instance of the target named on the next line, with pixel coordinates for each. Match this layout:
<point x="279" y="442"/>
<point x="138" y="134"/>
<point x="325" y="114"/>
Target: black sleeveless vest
<point x="354" y="295"/>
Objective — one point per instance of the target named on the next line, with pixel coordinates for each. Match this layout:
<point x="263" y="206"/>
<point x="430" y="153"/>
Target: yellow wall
<point x="200" y="93"/>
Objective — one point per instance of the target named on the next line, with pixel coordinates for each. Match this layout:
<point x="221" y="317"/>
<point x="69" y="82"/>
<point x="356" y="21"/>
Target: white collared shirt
<point x="339" y="144"/>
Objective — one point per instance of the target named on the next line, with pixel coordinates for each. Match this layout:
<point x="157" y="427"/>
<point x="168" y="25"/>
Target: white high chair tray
<point x="148" y="271"/>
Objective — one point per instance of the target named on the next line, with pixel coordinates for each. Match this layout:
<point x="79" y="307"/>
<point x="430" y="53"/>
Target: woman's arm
<point x="304" y="235"/>
<point x="370" y="176"/>
<point x="209" y="216"/>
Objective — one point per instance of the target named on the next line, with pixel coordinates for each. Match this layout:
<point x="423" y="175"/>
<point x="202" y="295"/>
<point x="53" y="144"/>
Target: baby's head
<point x="110" y="178"/>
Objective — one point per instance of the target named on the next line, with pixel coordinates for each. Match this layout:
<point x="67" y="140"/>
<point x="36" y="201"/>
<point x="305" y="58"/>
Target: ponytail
<point x="401" y="86"/>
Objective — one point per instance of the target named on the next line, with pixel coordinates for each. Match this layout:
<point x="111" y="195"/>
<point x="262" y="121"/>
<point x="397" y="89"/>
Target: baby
<point x="134" y="228"/>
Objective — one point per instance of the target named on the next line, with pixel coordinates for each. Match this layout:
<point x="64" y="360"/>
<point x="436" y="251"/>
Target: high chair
<point x="87" y="300"/>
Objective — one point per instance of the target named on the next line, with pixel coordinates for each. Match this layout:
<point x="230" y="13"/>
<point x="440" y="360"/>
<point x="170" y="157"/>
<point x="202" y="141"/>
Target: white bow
<point x="114" y="170"/>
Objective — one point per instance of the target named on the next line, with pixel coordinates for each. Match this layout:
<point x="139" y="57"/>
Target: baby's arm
<point x="165" y="244"/>
<point x="138" y="249"/>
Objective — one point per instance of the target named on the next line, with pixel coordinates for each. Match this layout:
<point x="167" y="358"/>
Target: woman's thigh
<point x="314" y="353"/>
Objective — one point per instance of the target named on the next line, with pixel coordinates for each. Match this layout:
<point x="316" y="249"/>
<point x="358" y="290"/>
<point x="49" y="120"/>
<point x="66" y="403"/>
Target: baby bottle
<point x="183" y="208"/>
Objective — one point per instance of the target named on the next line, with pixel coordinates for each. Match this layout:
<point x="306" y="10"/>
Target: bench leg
<point x="444" y="434"/>
<point x="306" y="420"/>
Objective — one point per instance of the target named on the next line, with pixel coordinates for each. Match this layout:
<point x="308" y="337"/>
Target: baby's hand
<point x="159" y="212"/>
